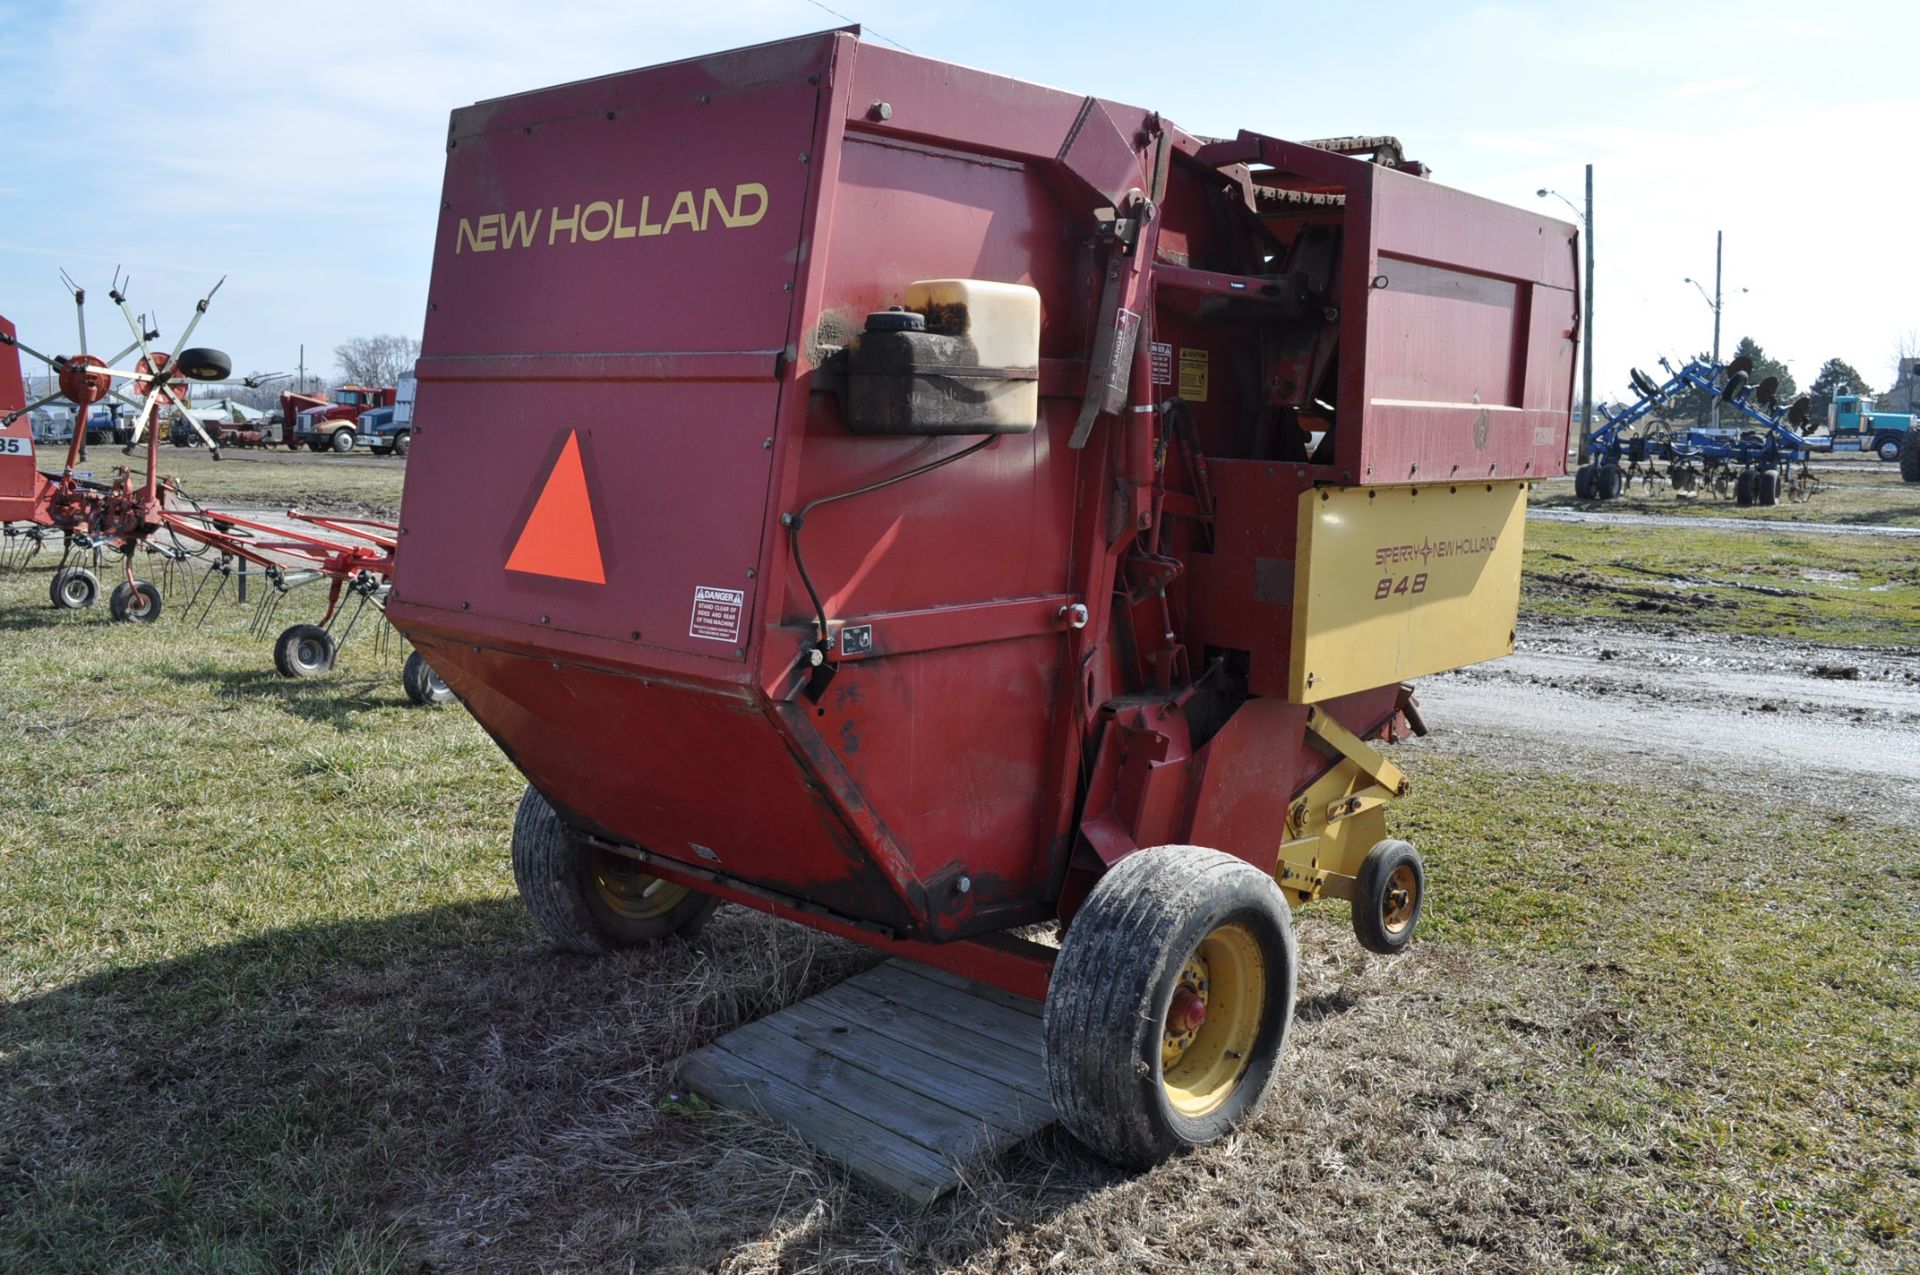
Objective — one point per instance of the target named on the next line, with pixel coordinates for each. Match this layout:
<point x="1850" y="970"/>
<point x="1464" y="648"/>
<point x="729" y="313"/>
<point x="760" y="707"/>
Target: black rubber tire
<point x="1115" y="979"/>
<point x="305" y="650"/>
<point x="73" y="589"/>
<point x="1887" y="447"/>
<point x="1743" y="489"/>
<point x="1766" y="488"/>
<point x="1372" y="899"/>
<point x="378" y="451"/>
<point x="423" y="685"/>
<point x="341" y="442"/>
<point x="315" y="447"/>
<point x="1609" y="482"/>
<point x="1910" y="457"/>
<point x="555" y="874"/>
<point x="402" y="441"/>
<point x="1646" y="385"/>
<point x="136" y="603"/>
<point x="203" y="364"/>
<point x="1583" y="483"/>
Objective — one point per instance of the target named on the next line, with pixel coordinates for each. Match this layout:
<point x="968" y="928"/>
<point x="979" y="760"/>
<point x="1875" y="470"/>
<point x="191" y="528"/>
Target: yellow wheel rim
<point x="1203" y="1056"/>
<point x="630" y="893"/>
<point x="1398" y="901"/>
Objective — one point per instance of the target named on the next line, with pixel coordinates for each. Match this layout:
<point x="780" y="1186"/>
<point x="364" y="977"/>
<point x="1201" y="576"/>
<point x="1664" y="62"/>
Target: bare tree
<point x="376" y="360"/>
<point x="1906" y="371"/>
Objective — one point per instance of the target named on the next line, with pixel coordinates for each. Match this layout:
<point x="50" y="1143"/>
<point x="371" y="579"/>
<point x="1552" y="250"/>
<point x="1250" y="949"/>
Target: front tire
<point x="136" y="603"/>
<point x="1170" y="1003"/>
<point x="305" y="650"/>
<point x="73" y="589"/>
<point x="590" y="900"/>
<point x="402" y="441"/>
<point x="1888" y="447"/>
<point x="342" y="442"/>
<point x="1388" y="893"/>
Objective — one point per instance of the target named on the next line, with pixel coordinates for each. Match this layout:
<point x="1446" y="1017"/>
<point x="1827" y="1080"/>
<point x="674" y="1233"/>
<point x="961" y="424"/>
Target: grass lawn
<point x="268" y="1002"/>
<point x="1853" y="590"/>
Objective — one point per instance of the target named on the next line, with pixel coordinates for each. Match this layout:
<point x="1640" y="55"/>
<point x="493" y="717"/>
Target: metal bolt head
<point x="880" y="111"/>
<point x="963" y="886"/>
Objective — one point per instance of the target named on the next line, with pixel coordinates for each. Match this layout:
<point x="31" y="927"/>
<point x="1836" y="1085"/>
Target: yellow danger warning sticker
<point x="1193" y="375"/>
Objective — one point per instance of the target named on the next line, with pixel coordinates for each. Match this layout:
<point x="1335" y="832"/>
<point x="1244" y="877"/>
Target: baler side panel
<point x="990" y="529"/>
<point x="1467" y="361"/>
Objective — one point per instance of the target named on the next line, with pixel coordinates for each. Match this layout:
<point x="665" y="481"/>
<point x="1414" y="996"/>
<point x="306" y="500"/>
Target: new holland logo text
<point x="1426" y="550"/>
<point x="689" y="212"/>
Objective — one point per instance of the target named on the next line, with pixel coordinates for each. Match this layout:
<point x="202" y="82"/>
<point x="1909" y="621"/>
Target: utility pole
<point x="1586" y="353"/>
<point x="1718" y="237"/>
<point x="303" y="367"/>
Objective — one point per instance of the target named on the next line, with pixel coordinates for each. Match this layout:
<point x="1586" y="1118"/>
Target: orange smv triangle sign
<point x="560" y="538"/>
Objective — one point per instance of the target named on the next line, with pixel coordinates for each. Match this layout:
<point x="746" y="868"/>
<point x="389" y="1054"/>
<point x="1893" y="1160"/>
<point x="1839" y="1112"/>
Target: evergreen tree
<point x="1836" y="376"/>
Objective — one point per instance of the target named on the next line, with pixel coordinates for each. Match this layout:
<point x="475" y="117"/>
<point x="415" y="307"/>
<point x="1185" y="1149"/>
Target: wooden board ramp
<point x="907" y="1075"/>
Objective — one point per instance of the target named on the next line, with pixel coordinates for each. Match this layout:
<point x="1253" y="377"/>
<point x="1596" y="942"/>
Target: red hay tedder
<point x="922" y="504"/>
<point x="135" y="511"/>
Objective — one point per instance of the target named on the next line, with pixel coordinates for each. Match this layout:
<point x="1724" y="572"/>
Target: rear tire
<point x="73" y="589"/>
<point x="1609" y="482"/>
<point x="590" y="900"/>
<point x="1388" y="893"/>
<point x="423" y="685"/>
<point x="1130" y="1072"/>
<point x="1910" y="457"/>
<point x="136" y="603"/>
<point x="305" y="650"/>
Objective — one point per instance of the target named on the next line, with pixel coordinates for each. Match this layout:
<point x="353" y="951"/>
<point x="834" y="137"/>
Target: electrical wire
<point x="794" y="521"/>
<point x="854" y="22"/>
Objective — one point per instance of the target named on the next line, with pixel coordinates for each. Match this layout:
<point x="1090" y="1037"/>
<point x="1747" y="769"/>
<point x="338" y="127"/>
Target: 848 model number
<point x="1391" y="585"/>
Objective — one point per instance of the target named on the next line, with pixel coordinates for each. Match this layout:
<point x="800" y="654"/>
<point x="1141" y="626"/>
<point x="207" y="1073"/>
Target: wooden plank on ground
<point x="907" y="1080"/>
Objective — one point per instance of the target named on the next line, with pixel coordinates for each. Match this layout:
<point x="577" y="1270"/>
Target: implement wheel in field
<point x="1583" y="483"/>
<point x="422" y="684"/>
<point x="73" y="589"/>
<point x="592" y="900"/>
<point x="1608" y="482"/>
<point x="1170" y="1003"/>
<point x="1766" y="487"/>
<point x="1743" y="489"/>
<point x="1387" y="896"/>
<point x="137" y="603"/>
<point x="305" y="650"/>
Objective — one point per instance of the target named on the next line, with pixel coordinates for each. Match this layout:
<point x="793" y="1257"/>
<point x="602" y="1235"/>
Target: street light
<point x="1586" y="310"/>
<point x="1713" y="303"/>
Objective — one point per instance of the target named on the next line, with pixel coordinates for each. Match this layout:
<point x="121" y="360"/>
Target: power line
<point x="863" y="26"/>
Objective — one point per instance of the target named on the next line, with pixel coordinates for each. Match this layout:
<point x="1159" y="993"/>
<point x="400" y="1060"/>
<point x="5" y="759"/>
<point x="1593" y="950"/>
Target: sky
<point x="297" y="150"/>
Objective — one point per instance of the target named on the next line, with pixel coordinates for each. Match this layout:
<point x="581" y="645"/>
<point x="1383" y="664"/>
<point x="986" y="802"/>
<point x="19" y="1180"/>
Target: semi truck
<point x="1853" y="425"/>
<point x="335" y="425"/>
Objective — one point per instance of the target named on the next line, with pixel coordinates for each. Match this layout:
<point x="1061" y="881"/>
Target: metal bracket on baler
<point x="1328" y="836"/>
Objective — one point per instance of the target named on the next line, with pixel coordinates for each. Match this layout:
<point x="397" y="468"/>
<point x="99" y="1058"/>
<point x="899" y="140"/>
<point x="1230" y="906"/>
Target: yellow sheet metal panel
<point x="1393" y="583"/>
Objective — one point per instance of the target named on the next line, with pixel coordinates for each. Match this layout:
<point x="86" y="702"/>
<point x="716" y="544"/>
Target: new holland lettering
<point x="687" y="211"/>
